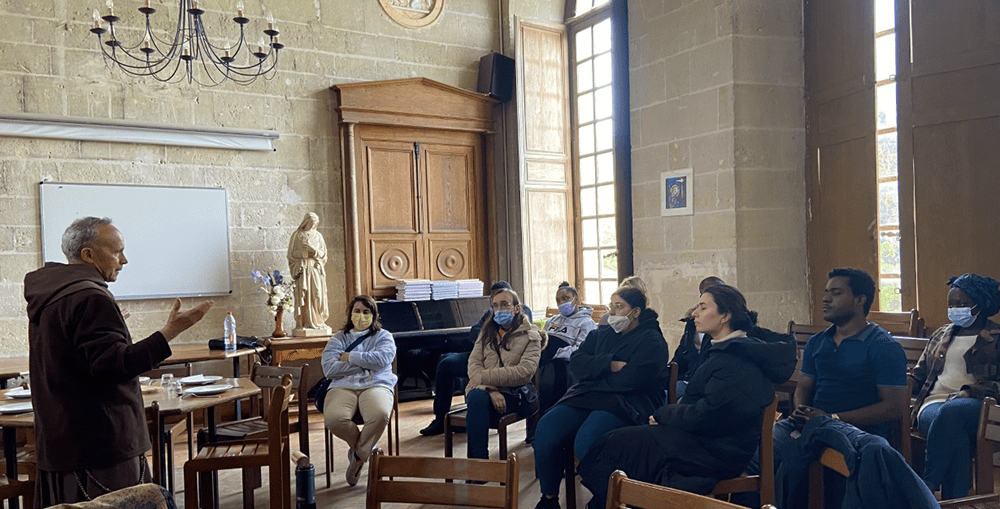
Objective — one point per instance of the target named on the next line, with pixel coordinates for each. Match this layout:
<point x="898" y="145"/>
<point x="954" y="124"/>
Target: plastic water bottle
<point x="229" y="332"/>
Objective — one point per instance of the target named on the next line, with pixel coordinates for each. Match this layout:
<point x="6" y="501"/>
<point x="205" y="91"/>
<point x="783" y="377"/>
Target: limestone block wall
<point x="717" y="86"/>
<point x="49" y="65"/>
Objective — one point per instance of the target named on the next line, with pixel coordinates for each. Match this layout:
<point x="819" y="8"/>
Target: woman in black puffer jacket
<point x="713" y="431"/>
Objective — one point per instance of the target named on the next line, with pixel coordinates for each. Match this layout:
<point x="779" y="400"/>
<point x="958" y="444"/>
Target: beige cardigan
<point x="519" y="363"/>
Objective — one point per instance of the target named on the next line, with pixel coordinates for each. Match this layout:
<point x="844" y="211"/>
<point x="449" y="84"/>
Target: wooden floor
<point x="414" y="415"/>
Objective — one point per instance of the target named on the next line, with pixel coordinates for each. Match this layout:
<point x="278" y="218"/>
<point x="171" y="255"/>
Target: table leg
<point x="10" y="453"/>
<point x="212" y="436"/>
<point x="236" y="374"/>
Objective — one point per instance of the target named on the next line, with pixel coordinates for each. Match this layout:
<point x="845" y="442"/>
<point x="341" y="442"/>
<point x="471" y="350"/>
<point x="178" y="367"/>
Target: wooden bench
<point x="599" y="311"/>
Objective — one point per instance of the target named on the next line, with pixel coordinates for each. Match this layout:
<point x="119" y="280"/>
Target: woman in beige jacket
<point x="502" y="365"/>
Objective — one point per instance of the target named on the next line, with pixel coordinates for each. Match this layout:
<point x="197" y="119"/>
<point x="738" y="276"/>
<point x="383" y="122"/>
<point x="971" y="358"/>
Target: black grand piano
<point x="424" y="330"/>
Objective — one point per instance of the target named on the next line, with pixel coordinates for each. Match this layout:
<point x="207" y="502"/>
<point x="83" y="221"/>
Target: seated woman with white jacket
<point x="358" y="362"/>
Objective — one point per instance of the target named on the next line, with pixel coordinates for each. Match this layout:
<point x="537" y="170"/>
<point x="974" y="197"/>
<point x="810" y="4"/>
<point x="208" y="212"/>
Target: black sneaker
<point x="436" y="427"/>
<point x="548" y="503"/>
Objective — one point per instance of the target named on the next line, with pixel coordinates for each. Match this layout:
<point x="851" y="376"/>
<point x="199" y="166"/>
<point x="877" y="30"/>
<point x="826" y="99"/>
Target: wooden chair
<point x="831" y="459"/>
<point x="902" y="324"/>
<point x="763" y="482"/>
<point x="424" y="480"/>
<point x="572" y="460"/>
<point x="272" y="452"/>
<point x="359" y="420"/>
<point x="599" y="311"/>
<point x="153" y="424"/>
<point x="986" y="440"/>
<point x="185" y="424"/>
<point x="456" y="418"/>
<point x="267" y="378"/>
<point x="12" y="489"/>
<point x="624" y="492"/>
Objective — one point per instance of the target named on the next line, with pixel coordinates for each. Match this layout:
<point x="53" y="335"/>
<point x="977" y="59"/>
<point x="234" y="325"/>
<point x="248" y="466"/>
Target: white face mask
<point x="619" y="322"/>
<point x="962" y="317"/>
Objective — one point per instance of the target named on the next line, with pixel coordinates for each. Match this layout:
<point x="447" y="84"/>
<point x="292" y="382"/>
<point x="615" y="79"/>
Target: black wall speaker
<point x="496" y="76"/>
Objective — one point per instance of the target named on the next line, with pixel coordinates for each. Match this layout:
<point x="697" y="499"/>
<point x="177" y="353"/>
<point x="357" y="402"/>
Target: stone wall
<point x="49" y="66"/>
<point x="717" y="86"/>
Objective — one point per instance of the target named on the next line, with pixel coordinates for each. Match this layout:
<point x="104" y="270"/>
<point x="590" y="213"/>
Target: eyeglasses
<point x="617" y="306"/>
<point x="502" y="305"/>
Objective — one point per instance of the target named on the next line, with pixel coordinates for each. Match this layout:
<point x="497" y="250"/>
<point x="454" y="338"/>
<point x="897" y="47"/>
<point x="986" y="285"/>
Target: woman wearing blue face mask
<point x="501" y="367"/>
<point x="620" y="371"/>
<point x="566" y="332"/>
<point x="957" y="370"/>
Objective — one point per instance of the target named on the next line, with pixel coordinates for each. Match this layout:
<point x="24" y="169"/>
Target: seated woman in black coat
<point x="713" y="431"/>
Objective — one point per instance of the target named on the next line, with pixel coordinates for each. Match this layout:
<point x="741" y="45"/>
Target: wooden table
<point x="11" y="367"/>
<point x="10" y="423"/>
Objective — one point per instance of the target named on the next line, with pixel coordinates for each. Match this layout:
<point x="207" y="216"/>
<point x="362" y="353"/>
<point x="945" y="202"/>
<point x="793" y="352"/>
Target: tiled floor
<point x="414" y="415"/>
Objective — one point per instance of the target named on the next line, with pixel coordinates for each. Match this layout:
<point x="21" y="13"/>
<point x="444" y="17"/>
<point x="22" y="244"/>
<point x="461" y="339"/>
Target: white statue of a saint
<point x="307" y="260"/>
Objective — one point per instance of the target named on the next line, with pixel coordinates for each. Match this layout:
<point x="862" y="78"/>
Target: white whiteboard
<point x="176" y="238"/>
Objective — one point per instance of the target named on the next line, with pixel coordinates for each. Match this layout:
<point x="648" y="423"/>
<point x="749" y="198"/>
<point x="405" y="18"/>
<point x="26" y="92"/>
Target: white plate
<point x="208" y="390"/>
<point x="16" y="408"/>
<point x="143" y="379"/>
<point x="19" y="393"/>
<point x="199" y="379"/>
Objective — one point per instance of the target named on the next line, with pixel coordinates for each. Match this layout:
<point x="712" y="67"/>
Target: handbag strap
<point x="358" y="341"/>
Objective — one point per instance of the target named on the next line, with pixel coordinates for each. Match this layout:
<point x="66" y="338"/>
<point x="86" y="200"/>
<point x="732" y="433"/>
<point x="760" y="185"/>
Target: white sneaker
<point x="354" y="468"/>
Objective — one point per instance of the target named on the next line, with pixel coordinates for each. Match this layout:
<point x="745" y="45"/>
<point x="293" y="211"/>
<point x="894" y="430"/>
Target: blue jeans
<point x="950" y="428"/>
<point x="561" y="427"/>
<point x="480" y="417"/>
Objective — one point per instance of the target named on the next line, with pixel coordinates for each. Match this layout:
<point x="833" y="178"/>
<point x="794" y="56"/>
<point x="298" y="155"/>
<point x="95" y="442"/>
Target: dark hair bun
<point x="564" y="284"/>
<point x="753" y="317"/>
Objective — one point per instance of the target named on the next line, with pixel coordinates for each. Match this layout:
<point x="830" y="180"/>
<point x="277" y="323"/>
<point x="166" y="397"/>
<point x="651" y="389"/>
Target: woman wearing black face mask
<point x="620" y="371"/>
<point x="957" y="370"/>
<point x="501" y="367"/>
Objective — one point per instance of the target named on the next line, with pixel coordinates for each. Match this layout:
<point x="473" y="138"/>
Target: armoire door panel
<point x="451" y="259"/>
<point x="391" y="194"/>
<point x="393" y="260"/>
<point x="451" y="186"/>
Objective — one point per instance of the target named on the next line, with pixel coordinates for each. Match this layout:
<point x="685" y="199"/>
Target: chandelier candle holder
<point x="170" y="60"/>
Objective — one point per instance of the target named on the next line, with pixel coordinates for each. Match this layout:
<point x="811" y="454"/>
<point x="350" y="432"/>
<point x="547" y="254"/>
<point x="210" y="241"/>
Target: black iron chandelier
<point x="189" y="53"/>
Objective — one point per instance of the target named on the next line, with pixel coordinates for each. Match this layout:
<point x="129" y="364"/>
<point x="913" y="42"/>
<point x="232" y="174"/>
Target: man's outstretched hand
<point x="179" y="322"/>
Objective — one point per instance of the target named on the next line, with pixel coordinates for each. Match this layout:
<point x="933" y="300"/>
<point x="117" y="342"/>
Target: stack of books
<point x="470" y="288"/>
<point x="413" y="289"/>
<point x="444" y="290"/>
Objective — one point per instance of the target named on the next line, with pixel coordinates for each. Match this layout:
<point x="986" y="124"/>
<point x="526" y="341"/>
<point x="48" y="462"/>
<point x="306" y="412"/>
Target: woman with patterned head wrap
<point x="957" y="370"/>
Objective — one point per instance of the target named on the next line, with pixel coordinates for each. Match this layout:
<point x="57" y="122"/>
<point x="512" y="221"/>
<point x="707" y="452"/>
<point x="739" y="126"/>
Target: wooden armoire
<point x="414" y="183"/>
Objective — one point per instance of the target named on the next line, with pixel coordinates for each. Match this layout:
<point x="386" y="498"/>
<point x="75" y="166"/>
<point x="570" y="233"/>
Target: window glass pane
<point x="606" y="167"/>
<point x="885" y="15"/>
<point x="606" y="200"/>
<point x="591" y="264"/>
<point x="888" y="156"/>
<point x="584" y="76"/>
<point x="583" y="44"/>
<point x="609" y="265"/>
<point x="885" y="103"/>
<point x="588" y="202"/>
<point x="602" y="103"/>
<point x="608" y="287"/>
<point x="889" y="295"/>
<point x="888" y="252"/>
<point x="602" y="36"/>
<point x="607" y="233"/>
<point x="589" y="232"/>
<point x="587" y="139"/>
<point x="605" y="135"/>
<point x="585" y="107"/>
<point x="587" y="170"/>
<point x="592" y="291"/>
<point x="885" y="57"/>
<point x="602" y="70"/>
<point x="888" y="203"/>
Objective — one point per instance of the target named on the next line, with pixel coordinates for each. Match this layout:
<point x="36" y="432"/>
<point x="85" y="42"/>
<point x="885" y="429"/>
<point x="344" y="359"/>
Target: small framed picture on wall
<point x="677" y="193"/>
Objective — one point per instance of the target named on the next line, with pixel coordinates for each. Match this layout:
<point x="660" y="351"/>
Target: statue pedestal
<point x="300" y="332"/>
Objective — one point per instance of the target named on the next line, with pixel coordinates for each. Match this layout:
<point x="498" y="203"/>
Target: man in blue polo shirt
<point x="853" y="371"/>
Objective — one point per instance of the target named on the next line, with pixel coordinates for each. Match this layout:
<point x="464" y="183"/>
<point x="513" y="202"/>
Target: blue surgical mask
<point x="567" y="308"/>
<point x="962" y="317"/>
<point x="503" y="317"/>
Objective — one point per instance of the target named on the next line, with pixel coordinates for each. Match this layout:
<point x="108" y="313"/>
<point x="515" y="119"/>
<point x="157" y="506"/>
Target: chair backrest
<point x="762" y="483"/>
<point x="426" y="480"/>
<point x="269" y="377"/>
<point x="178" y="370"/>
<point x="623" y="492"/>
<point x="277" y="421"/>
<point x="986" y="440"/>
<point x="153" y="424"/>
<point x="912" y="347"/>
<point x="672" y="370"/>
<point x="906" y="323"/>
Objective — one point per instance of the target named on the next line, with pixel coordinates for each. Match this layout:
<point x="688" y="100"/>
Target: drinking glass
<point x="166" y="379"/>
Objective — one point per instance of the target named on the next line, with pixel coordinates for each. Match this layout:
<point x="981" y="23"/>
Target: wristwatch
<point x="835" y="417"/>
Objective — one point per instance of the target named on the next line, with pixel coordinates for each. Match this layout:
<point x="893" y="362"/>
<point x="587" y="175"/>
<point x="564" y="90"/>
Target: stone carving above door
<point x="413" y="13"/>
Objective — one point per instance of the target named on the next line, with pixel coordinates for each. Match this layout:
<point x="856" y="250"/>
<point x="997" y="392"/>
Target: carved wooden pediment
<point x="414" y="102"/>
